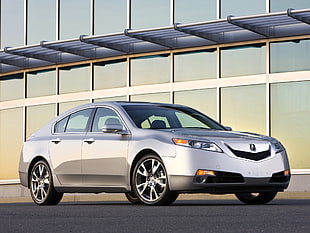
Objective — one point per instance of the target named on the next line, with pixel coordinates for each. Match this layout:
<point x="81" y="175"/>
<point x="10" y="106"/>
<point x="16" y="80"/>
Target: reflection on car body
<point x="152" y="152"/>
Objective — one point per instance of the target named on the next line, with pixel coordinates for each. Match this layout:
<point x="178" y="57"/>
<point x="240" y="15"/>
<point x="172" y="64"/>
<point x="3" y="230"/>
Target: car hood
<point x="219" y="135"/>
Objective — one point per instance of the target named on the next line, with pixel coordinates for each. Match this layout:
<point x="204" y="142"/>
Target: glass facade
<point x="150" y="70"/>
<point x="195" y="10"/>
<point x="243" y="60"/>
<point x="242" y="7"/>
<point x="149" y="13"/>
<point x="9" y="83"/>
<point x="290" y="111"/>
<point x="74" y="18"/>
<point x="193" y="99"/>
<point x="239" y="111"/>
<point x="12" y="23"/>
<point x="283" y="5"/>
<point x="110" y="16"/>
<point x="110" y="74"/>
<point x="41" y="83"/>
<point x="74" y="79"/>
<point x="41" y="24"/>
<point x="195" y="66"/>
<point x="37" y="116"/>
<point x="244" y="85"/>
<point x="290" y="56"/>
<point x="11" y="140"/>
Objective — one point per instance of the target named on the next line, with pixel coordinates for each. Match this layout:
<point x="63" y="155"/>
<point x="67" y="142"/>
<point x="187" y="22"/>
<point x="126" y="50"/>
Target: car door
<point x="104" y="155"/>
<point x="65" y="146"/>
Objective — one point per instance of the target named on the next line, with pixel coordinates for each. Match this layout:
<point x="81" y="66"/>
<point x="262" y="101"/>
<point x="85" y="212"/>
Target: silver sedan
<point x="152" y="152"/>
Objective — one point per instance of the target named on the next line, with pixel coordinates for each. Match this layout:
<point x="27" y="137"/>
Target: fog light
<point x="287" y="173"/>
<point x="204" y="173"/>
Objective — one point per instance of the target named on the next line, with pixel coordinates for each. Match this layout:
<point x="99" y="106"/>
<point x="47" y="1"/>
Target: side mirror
<point x="112" y="128"/>
<point x="228" y="128"/>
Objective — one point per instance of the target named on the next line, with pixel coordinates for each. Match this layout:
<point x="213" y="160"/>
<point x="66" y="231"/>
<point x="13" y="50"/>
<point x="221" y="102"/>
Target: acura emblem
<point x="252" y="147"/>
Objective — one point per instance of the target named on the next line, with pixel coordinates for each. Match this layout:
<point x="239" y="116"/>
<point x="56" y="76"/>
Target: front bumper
<point x="230" y="174"/>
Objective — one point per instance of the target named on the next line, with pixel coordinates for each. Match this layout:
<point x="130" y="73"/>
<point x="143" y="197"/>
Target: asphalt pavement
<point x="280" y="215"/>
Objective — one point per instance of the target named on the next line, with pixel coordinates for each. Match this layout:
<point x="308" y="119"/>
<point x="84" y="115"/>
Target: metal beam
<point x="246" y="26"/>
<point x="203" y="35"/>
<point x="32" y="55"/>
<point x="104" y="44"/>
<point x="297" y="17"/>
<point x="66" y="50"/>
<point x="148" y="39"/>
<point x="22" y="62"/>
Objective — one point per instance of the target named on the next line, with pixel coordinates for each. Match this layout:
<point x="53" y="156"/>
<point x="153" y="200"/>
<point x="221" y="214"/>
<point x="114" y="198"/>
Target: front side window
<point x="105" y="116"/>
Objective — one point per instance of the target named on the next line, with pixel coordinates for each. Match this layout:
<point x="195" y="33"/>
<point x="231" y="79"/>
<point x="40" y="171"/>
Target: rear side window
<point x="76" y="122"/>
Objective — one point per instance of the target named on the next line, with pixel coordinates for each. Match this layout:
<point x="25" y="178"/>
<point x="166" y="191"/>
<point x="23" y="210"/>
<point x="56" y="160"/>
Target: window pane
<point x="195" y="10"/>
<point x="110" y="16"/>
<point x="110" y="75"/>
<point x="60" y="126"/>
<point x="248" y="60"/>
<point x="193" y="99"/>
<point x="290" y="111"/>
<point x="74" y="18"/>
<point x="38" y="116"/>
<point x="41" y="21"/>
<point x="283" y="5"/>
<point x="41" y="83"/>
<point x="195" y="66"/>
<point x="74" y="79"/>
<point x="9" y="83"/>
<point x="244" y="108"/>
<point x="11" y="141"/>
<point x="150" y="13"/>
<point x="12" y="23"/>
<point x="104" y="116"/>
<point x="68" y="105"/>
<point x="150" y="70"/>
<point x="157" y="97"/>
<point x="78" y="121"/>
<point x="242" y="7"/>
<point x="290" y="56"/>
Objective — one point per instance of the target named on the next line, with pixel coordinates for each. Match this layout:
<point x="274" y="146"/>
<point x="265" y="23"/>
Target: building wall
<point x="259" y="86"/>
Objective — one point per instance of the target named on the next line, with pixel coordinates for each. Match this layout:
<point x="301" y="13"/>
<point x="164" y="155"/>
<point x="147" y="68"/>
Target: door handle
<point x="89" y="140"/>
<point x="56" y="140"/>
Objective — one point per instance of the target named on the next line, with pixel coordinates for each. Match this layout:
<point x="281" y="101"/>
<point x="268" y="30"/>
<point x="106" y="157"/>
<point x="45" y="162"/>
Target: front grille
<point x="279" y="178"/>
<point x="225" y="177"/>
<point x="252" y="156"/>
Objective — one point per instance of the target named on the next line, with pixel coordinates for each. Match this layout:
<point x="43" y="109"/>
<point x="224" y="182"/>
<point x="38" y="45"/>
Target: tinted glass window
<point x="290" y="56"/>
<point x="105" y="116"/>
<point x="60" y="126"/>
<point x="161" y="117"/>
<point x="78" y="121"/>
<point x="242" y="7"/>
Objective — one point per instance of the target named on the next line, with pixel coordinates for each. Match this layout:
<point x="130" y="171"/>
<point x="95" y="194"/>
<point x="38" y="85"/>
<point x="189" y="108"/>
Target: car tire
<point x="41" y="185"/>
<point x="256" y="198"/>
<point x="150" y="182"/>
<point x="131" y="197"/>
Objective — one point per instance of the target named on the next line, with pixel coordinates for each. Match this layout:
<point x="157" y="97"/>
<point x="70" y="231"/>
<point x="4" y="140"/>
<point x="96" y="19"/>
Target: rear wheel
<point x="150" y="182"/>
<point x="41" y="185"/>
<point x="132" y="198"/>
<point x="256" y="198"/>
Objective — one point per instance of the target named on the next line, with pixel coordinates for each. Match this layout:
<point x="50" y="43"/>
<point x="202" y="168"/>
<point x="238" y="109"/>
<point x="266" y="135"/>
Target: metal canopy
<point x="87" y="48"/>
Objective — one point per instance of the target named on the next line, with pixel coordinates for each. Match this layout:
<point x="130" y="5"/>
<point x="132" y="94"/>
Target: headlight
<point x="278" y="147"/>
<point x="209" y="146"/>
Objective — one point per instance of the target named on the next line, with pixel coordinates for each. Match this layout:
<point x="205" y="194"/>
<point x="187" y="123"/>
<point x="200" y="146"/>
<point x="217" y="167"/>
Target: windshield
<point x="166" y="117"/>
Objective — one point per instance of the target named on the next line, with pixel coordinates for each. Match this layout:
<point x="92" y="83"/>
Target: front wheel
<point x="256" y="198"/>
<point x="41" y="185"/>
<point x="150" y="182"/>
